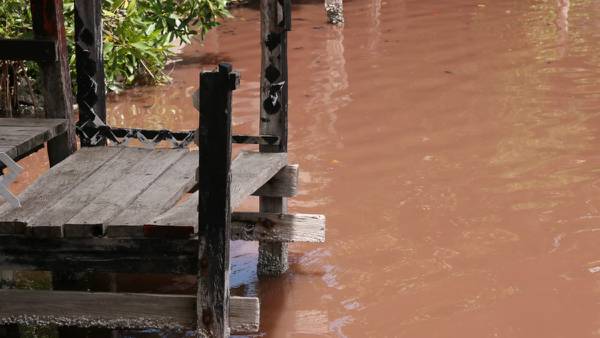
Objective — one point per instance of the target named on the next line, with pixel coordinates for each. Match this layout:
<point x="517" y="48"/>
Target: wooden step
<point x="117" y="310"/>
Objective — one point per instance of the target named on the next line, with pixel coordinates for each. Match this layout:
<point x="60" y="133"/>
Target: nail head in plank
<point x="55" y="182"/>
<point x="91" y="220"/>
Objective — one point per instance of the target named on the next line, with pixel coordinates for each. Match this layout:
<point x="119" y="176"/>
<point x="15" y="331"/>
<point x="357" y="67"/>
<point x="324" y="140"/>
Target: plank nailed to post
<point x="90" y="63"/>
<point x="214" y="213"/>
<point x="275" y="23"/>
<point x="48" y="24"/>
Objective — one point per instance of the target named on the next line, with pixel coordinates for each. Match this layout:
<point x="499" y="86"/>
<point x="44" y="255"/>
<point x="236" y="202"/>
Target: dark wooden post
<point x="48" y="23"/>
<point x="275" y="23"/>
<point x="91" y="90"/>
<point x="214" y="179"/>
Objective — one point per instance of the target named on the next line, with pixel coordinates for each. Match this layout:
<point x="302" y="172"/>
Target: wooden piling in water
<point x="335" y="11"/>
<point x="214" y="212"/>
<point x="275" y="23"/>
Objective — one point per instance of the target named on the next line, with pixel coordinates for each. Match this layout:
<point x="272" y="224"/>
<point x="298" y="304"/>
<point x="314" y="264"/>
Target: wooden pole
<point x="91" y="96"/>
<point x="275" y="23"/>
<point x="48" y="23"/>
<point x="214" y="213"/>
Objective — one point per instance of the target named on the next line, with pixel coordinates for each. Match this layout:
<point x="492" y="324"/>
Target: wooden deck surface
<point x="123" y="192"/>
<point x="19" y="137"/>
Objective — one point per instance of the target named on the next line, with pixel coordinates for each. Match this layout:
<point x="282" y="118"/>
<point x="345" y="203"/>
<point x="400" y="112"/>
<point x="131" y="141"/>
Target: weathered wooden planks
<point x="48" y="222"/>
<point x="115" y="310"/>
<point x="19" y="136"/>
<point x="57" y="182"/>
<point x="253" y="226"/>
<point x="91" y="220"/>
<point x="278" y="227"/>
<point x="249" y="171"/>
<point x="158" y="198"/>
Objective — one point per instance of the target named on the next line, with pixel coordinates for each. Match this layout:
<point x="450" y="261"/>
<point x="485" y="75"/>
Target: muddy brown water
<point x="453" y="147"/>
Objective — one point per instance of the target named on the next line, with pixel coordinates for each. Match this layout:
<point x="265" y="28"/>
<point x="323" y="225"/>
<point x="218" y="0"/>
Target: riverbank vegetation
<point x="139" y="36"/>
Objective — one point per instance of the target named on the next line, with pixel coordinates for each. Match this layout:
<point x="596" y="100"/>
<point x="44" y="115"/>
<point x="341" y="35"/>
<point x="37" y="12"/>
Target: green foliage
<point x="15" y="18"/>
<point x="138" y="34"/>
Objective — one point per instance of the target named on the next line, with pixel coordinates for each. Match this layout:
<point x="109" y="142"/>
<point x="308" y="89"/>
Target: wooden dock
<point x="112" y="208"/>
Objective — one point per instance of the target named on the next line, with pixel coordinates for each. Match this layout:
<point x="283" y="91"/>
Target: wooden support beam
<point x="48" y="24"/>
<point x="261" y="139"/>
<point x="89" y="63"/>
<point x="214" y="213"/>
<point x="175" y="256"/>
<point x="27" y="49"/>
<point x="284" y="184"/>
<point x="275" y="23"/>
<point x="116" y="310"/>
<point x="252" y="226"/>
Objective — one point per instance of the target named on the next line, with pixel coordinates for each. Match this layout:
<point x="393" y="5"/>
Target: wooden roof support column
<point x="91" y="96"/>
<point x="48" y="24"/>
<point x="214" y="211"/>
<point x="275" y="23"/>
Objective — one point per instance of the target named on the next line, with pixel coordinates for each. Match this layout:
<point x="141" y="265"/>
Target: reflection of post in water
<point x="327" y="94"/>
<point x="375" y="26"/>
<point x="562" y="23"/>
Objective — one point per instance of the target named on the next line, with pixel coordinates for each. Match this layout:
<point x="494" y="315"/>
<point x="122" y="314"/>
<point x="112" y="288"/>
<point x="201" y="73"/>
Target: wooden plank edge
<point x="244" y="315"/>
<point x="255" y="226"/>
<point x="274" y="227"/>
<point x="283" y="184"/>
<point x="116" y="310"/>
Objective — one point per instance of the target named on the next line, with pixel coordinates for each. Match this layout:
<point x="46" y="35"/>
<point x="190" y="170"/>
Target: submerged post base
<point x="335" y="11"/>
<point x="272" y="258"/>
